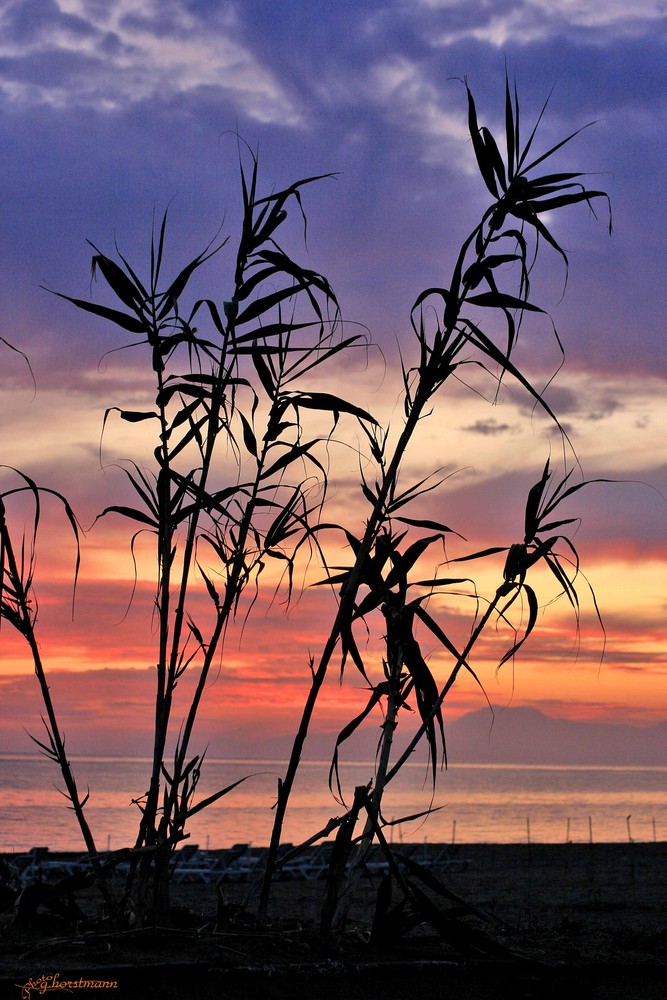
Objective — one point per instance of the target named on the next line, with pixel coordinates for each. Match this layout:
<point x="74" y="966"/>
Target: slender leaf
<point x="482" y="154"/>
<point x="376" y="695"/>
<point x="135" y="416"/>
<point x="249" y="438"/>
<point x="533" y="609"/>
<point x="328" y="402"/>
<point x="210" y="799"/>
<point x="130" y="512"/>
<point x="175" y="290"/>
<point x="494" y="157"/>
<point x="117" y="280"/>
<point x="292" y="455"/>
<point x="258" y="307"/>
<point x="501" y="300"/>
<point x="425" y="523"/>
<point x="121" y="319"/>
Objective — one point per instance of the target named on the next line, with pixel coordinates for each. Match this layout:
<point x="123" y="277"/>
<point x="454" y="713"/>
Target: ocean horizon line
<point x="326" y="761"/>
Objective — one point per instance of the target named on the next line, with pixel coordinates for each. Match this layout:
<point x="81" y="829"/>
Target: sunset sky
<point x="113" y="109"/>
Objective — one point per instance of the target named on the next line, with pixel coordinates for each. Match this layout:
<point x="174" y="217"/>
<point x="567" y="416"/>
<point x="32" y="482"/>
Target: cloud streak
<point x="107" y="57"/>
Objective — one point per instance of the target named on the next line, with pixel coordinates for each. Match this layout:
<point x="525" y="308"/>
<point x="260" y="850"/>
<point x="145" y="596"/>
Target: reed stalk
<point x="18" y="607"/>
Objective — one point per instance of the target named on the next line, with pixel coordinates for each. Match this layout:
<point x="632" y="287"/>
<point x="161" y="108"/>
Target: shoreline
<point x="78" y="852"/>
<point x="577" y="916"/>
<point x="492" y="862"/>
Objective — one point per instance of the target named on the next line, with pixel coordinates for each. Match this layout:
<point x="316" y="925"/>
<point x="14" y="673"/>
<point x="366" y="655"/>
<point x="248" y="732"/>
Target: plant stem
<point x="430" y="377"/>
<point x="344" y="614"/>
<point x="57" y="750"/>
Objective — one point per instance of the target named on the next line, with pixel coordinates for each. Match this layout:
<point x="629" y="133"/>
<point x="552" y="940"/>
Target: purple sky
<point x="109" y="109"/>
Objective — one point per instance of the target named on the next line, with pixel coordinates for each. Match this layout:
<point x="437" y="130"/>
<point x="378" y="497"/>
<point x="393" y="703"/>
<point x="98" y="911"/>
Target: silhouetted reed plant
<point x="491" y="276"/>
<point x="238" y="480"/>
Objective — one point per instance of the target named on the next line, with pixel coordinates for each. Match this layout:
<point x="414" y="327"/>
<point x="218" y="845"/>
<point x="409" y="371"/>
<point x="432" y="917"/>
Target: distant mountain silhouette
<point x="511" y="736"/>
<point x="528" y="736"/>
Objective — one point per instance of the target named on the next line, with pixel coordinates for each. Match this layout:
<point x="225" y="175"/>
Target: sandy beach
<point x="588" y="920"/>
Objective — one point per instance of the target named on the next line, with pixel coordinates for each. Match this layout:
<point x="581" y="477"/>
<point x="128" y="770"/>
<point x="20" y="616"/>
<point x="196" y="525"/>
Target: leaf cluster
<point x="18" y="604"/>
<point x="385" y="577"/>
<point x="490" y="279"/>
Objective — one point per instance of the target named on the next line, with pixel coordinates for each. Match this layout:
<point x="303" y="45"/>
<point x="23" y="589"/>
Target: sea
<point x="472" y="803"/>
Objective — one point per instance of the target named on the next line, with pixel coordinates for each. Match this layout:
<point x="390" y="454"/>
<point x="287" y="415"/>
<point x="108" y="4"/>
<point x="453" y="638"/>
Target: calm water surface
<point x="476" y="803"/>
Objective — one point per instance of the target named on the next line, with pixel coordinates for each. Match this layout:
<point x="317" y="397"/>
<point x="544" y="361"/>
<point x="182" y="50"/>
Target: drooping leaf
<point x="135" y="416"/>
<point x="144" y="488"/>
<point x="349" y="648"/>
<point x="328" y="402"/>
<point x="568" y="589"/>
<point x="266" y="377"/>
<point x="478" y="337"/>
<point x="376" y="695"/>
<point x="533" y="609"/>
<point x="426" y="523"/>
<point x="573" y="198"/>
<point x="130" y="512"/>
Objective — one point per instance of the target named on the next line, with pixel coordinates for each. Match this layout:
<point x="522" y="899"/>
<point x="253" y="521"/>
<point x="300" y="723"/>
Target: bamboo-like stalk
<point x="429" y="381"/>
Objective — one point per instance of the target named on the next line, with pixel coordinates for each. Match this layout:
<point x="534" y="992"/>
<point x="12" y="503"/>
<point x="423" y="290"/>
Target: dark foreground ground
<point x="568" y="921"/>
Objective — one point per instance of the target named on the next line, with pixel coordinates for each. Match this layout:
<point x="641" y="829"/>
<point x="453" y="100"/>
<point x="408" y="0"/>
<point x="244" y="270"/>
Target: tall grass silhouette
<point x="237" y="479"/>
